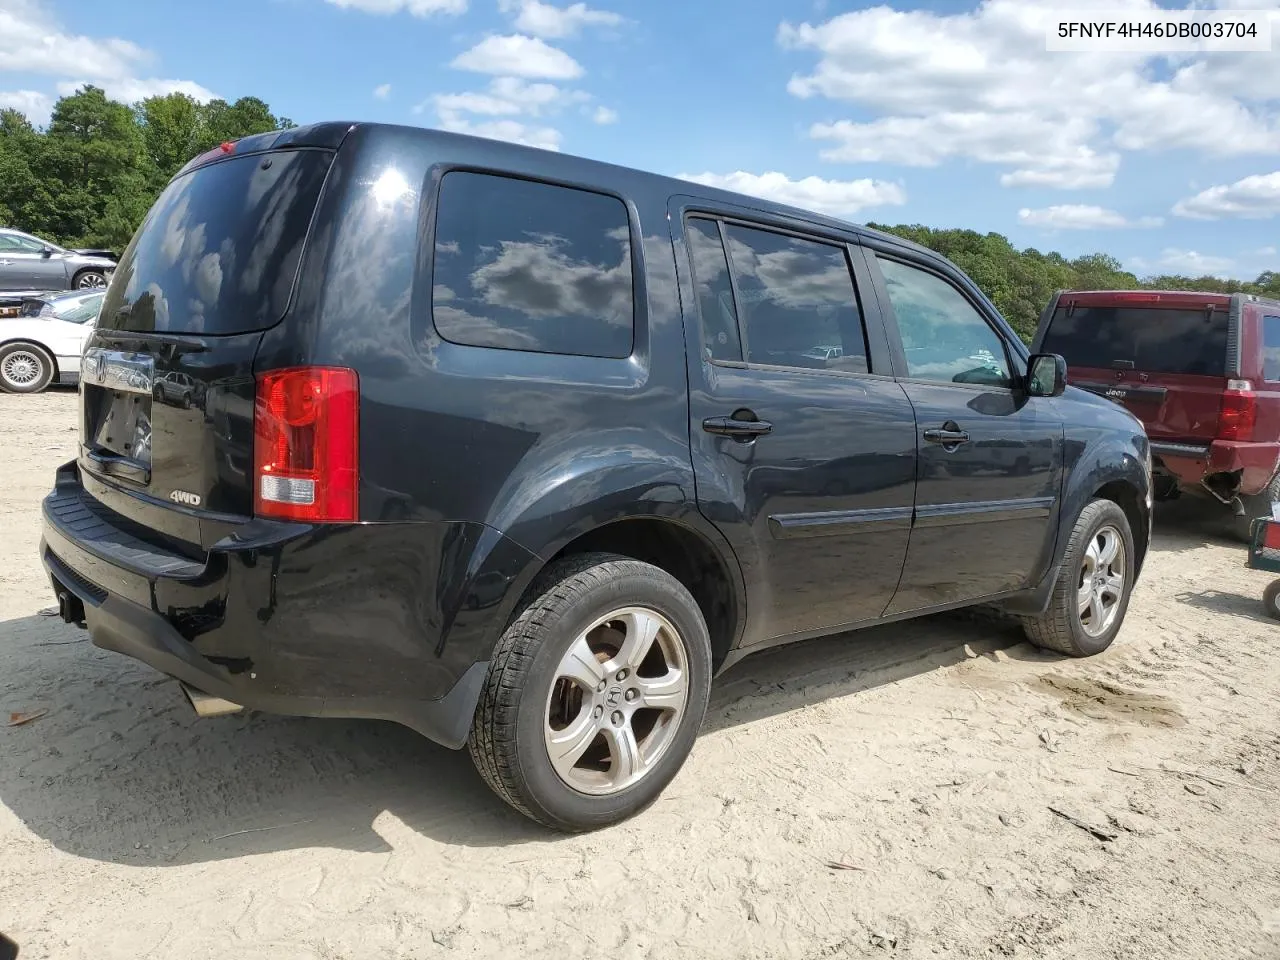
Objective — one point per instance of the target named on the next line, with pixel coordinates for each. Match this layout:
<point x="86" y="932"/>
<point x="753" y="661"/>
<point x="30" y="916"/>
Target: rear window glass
<point x="521" y="265"/>
<point x="1155" y="341"/>
<point x="219" y="251"/>
<point x="86" y="309"/>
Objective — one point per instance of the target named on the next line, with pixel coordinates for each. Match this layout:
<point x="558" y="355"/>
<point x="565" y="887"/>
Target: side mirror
<point x="47" y="251"/>
<point x="1046" y="375"/>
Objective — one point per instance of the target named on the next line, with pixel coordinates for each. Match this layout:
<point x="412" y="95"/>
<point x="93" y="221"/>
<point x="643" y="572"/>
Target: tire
<point x="25" y="368"/>
<point x="1256" y="505"/>
<point x="91" y="279"/>
<point x="1062" y="628"/>
<point x="1271" y="599"/>
<point x="528" y="698"/>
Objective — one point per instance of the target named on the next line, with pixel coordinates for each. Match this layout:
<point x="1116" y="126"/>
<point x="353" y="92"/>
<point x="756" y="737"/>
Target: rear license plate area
<point x="120" y="424"/>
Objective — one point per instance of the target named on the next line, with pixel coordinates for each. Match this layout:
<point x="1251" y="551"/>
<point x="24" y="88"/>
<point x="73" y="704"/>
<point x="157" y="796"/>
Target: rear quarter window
<point x="524" y="265"/>
<point x="1271" y="349"/>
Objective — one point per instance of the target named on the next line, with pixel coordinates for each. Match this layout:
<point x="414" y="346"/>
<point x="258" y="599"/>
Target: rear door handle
<point x="947" y="437"/>
<point x="739" y="429"/>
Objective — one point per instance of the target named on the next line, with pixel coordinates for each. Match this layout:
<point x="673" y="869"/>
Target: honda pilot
<point x="1200" y="370"/>
<point x="519" y="450"/>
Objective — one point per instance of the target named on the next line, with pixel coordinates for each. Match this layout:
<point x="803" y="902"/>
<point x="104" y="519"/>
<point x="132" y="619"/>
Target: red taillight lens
<point x="1239" y="411"/>
<point x="306" y="444"/>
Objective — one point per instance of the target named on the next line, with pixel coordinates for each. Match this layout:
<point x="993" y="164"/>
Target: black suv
<point x="519" y="450"/>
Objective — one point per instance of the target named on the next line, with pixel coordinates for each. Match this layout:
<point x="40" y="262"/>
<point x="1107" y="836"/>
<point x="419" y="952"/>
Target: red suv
<point x="1200" y="370"/>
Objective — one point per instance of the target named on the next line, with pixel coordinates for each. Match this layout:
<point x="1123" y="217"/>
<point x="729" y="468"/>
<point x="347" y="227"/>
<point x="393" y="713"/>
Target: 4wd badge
<point x="186" y="499"/>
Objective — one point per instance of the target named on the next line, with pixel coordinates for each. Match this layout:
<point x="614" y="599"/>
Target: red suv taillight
<point x="1239" y="411"/>
<point x="306" y="436"/>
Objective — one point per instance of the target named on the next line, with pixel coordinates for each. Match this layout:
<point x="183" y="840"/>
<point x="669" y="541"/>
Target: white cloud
<point x="557" y="23"/>
<point x="517" y="55"/>
<point x="1253" y="198"/>
<point x="840" y="197"/>
<point x="32" y="41"/>
<point x="980" y="85"/>
<point x="1080" y="216"/>
<point x="382" y="91"/>
<point x="36" y="106"/>
<point x="545" y="138"/>
<point x="604" y="115"/>
<point x="1186" y="262"/>
<point x="513" y="99"/>
<point x="129" y="90"/>
<point x="419" y="8"/>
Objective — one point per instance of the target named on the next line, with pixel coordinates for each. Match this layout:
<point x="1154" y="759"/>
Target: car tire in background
<point x="1095" y="580"/>
<point x="595" y="693"/>
<point x="24" y="368"/>
<point x="89" y="280"/>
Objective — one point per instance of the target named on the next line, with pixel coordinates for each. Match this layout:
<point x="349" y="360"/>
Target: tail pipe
<point x="207" y="706"/>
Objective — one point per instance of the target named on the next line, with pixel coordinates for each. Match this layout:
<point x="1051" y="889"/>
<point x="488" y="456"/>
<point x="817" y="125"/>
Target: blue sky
<point x="943" y="113"/>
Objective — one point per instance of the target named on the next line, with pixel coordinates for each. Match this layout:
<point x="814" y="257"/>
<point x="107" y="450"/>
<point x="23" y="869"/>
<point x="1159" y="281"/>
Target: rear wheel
<point x="24" y="368"/>
<point x="1092" y="593"/>
<point x="595" y="693"/>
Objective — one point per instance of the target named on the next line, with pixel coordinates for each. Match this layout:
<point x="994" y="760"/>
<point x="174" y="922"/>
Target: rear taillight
<point x="1239" y="411"/>
<point x="306" y="434"/>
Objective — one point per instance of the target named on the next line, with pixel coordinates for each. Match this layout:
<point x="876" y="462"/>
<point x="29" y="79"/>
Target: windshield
<point x="1151" y="339"/>
<point x="219" y="251"/>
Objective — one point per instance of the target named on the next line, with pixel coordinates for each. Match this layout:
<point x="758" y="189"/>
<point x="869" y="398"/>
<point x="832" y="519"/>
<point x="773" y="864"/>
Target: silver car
<point x="28" y="263"/>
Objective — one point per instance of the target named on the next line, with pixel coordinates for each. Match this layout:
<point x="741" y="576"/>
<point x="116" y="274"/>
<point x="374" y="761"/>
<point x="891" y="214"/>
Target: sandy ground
<point x="927" y="758"/>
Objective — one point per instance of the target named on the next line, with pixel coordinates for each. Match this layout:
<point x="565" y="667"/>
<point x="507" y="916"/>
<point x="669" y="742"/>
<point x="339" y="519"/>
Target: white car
<point x="46" y="348"/>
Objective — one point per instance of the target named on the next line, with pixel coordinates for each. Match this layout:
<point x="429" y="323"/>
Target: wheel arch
<point x="1114" y="471"/>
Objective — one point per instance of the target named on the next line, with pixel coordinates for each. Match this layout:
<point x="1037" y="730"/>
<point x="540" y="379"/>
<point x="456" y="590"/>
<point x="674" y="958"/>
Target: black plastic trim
<point x="787" y="526"/>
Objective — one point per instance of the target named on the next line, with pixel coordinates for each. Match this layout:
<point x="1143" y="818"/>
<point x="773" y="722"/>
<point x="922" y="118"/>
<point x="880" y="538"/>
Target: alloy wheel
<point x="21" y="368"/>
<point x="1101" y="587"/>
<point x="617" y="700"/>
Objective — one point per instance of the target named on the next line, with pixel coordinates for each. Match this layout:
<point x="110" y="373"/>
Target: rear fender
<point x="547" y="510"/>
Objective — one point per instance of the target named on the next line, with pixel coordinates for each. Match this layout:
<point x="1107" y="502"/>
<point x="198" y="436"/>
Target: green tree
<point x="90" y="177"/>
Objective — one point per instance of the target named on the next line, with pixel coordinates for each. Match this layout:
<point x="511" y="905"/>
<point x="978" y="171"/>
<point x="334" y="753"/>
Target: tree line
<point x="89" y="177"/>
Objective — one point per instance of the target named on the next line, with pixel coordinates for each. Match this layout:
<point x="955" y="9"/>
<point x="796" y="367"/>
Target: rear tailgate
<point x="1167" y="363"/>
<point x="167" y="379"/>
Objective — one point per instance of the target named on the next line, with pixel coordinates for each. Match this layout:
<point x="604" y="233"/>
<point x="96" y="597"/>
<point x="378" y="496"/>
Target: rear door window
<point x="791" y="301"/>
<point x="219" y="251"/>
<point x="1141" y="338"/>
<point x="523" y="265"/>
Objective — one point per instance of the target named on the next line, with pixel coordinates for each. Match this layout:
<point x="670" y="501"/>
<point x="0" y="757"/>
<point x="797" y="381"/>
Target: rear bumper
<point x="341" y="621"/>
<point x="1255" y="462"/>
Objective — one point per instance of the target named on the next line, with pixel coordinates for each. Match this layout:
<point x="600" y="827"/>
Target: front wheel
<point x="595" y="693"/>
<point x="1094" y="582"/>
<point x="24" y="368"/>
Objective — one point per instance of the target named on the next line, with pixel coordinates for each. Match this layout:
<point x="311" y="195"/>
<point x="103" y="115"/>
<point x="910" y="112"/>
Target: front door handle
<point x="947" y="437"/>
<point x="738" y="429"/>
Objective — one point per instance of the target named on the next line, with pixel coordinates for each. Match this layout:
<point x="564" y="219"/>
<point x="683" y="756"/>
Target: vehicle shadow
<point x="119" y="769"/>
<point x="1231" y="604"/>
